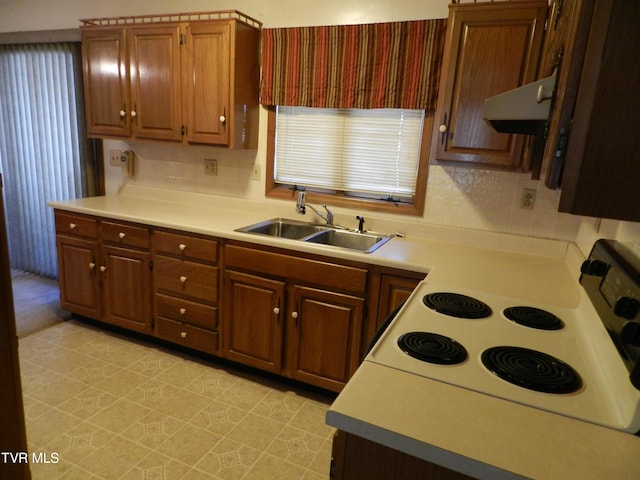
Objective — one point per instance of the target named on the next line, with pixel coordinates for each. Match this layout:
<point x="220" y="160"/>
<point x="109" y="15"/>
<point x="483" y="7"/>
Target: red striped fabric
<point x="381" y="65"/>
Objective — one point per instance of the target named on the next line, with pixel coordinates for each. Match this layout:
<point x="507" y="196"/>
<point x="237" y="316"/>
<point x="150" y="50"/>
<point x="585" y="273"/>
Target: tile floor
<point x="109" y="407"/>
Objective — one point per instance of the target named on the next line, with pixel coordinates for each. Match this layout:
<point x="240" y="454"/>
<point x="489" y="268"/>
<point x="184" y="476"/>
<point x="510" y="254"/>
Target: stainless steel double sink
<point x="331" y="235"/>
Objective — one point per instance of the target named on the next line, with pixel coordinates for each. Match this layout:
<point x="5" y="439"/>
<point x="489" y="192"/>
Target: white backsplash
<point x="478" y="199"/>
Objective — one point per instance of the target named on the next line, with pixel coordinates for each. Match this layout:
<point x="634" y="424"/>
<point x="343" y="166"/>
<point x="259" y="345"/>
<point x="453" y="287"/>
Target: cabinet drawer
<point x="187" y="335"/>
<point x="185" y="311"/>
<point x="186" y="246"/>
<point x="76" y="224"/>
<point x="123" y="234"/>
<point x="322" y="273"/>
<point x="183" y="277"/>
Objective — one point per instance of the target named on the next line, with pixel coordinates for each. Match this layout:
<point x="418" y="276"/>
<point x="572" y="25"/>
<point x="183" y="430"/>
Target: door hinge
<point x="182" y="39"/>
<point x="183" y="130"/>
<point x="150" y="264"/>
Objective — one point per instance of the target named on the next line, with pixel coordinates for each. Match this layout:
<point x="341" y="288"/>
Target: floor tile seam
<point x="316" y="454"/>
<point x="157" y="452"/>
<point x="265" y="453"/>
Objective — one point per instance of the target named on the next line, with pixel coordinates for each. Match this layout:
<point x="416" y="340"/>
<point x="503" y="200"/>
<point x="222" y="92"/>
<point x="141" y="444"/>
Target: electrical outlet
<point x="255" y="173"/>
<point x="210" y="166"/>
<point x="114" y="158"/>
<point x="528" y="199"/>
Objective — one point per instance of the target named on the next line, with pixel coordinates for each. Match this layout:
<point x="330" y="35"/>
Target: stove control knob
<point x="630" y="334"/>
<point x="596" y="268"/>
<point x="627" y="307"/>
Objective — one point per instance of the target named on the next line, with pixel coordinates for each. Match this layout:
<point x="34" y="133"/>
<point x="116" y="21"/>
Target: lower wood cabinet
<point x="254" y="324"/>
<point x="356" y="457"/>
<point x="325" y="336"/>
<point x="306" y="317"/>
<point x="79" y="282"/>
<point x="185" y="277"/>
<point x="298" y="316"/>
<point x="105" y="270"/>
<point x="126" y="286"/>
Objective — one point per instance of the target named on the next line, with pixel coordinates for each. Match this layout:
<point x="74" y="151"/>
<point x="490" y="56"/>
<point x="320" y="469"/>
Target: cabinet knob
<point x="122" y="113"/>
<point x="182" y="246"/>
<point x="442" y="128"/>
<point x="544" y="94"/>
<point x="92" y="266"/>
<point x="122" y="235"/>
<point x="183" y="279"/>
<point x="183" y="334"/>
<point x="72" y="226"/>
<point x="223" y="119"/>
<point x="133" y="113"/>
<point x="183" y="311"/>
<point x="276" y="310"/>
<point x="294" y="314"/>
<point x="103" y="268"/>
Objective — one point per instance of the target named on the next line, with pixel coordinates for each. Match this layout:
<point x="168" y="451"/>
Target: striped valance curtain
<point x="381" y="65"/>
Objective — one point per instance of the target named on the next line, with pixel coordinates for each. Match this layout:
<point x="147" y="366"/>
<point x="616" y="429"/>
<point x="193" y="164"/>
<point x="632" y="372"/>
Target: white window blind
<point x="373" y="152"/>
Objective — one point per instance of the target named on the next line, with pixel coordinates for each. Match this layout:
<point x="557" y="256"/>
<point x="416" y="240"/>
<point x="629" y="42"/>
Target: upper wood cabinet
<point x="183" y="81"/>
<point x="489" y="48"/>
<point x="155" y="69"/>
<point x="106" y="82"/>
<point x="564" y="46"/>
<point x="602" y="169"/>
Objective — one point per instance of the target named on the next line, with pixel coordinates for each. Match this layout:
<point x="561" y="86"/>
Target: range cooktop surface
<point x="538" y="355"/>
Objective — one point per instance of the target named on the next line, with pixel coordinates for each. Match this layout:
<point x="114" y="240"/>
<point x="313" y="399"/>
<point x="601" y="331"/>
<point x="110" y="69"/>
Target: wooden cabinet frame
<point x="307" y="317"/>
<point x="489" y="48"/>
<point x="192" y="80"/>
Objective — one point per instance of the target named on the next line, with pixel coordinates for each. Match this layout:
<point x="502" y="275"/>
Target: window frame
<point x="274" y="190"/>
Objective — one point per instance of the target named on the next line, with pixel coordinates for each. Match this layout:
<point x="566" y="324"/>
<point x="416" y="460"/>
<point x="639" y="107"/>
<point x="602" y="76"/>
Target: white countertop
<point x="460" y="429"/>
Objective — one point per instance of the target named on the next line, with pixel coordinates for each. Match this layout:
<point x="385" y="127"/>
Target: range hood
<point x="522" y="110"/>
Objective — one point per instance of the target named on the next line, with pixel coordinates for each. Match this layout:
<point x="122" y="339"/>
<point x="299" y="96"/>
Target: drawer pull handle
<point x="183" y="279"/>
<point x="183" y="334"/>
<point x="92" y="266"/>
<point x="276" y="310"/>
<point x="103" y="268"/>
<point x="72" y="226"/>
<point x="182" y="246"/>
<point x="183" y="311"/>
<point x="122" y="235"/>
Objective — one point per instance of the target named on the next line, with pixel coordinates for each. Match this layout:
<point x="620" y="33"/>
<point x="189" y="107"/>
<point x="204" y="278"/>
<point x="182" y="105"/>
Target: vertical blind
<point x="359" y="151"/>
<point x="40" y="146"/>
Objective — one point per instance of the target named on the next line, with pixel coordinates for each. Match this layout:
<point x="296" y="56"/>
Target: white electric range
<point x="582" y="362"/>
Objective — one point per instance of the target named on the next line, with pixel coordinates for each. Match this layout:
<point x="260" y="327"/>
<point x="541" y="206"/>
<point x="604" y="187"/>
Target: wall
<point x="459" y="197"/>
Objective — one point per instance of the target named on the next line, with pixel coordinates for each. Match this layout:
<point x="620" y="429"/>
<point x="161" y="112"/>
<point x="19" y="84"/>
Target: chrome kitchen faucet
<point x="301" y="208"/>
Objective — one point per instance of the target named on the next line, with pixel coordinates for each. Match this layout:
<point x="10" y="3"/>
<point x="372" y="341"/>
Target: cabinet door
<point x="206" y="82"/>
<point x="127" y="288"/>
<point x="602" y="171"/>
<point x="79" y="281"/>
<point x="154" y="64"/>
<point x="106" y="82"/>
<point x="326" y="333"/>
<point x="489" y="49"/>
<point x="394" y="290"/>
<point x="253" y="330"/>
